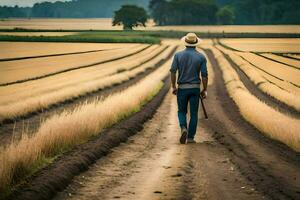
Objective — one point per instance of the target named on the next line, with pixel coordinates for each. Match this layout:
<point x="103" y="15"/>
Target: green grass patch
<point x="116" y="34"/>
<point x="84" y="37"/>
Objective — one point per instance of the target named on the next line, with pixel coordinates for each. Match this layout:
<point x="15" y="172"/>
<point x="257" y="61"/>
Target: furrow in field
<point x="77" y="77"/>
<point x="13" y="131"/>
<point x="266" y="119"/>
<point x="284" y="92"/>
<point x="17" y="50"/>
<point x="70" y="129"/>
<point x="252" y="152"/>
<point x="43" y="101"/>
<point x="282" y="60"/>
<point x="12" y="72"/>
<point x="54" y="55"/>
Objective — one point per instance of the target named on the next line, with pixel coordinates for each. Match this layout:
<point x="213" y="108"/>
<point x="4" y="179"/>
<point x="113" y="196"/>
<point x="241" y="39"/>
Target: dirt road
<point x="153" y="165"/>
<point x="231" y="160"/>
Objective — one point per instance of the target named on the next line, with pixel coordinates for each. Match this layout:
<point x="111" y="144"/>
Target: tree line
<point x="194" y="12"/>
<point x="70" y="9"/>
<point x="171" y="12"/>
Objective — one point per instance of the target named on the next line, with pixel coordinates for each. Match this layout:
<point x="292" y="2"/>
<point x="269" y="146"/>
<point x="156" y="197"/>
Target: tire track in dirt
<point x="272" y="166"/>
<point x="12" y="130"/>
<point x="153" y="165"/>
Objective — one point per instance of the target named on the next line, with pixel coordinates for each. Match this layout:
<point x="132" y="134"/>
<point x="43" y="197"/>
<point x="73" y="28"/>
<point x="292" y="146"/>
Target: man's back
<point x="189" y="64"/>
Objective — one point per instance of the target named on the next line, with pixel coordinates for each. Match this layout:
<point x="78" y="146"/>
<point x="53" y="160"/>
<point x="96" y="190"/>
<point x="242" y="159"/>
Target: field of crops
<point x="55" y="97"/>
<point x="279" y="45"/>
<point x="269" y="120"/>
<point x="106" y="24"/>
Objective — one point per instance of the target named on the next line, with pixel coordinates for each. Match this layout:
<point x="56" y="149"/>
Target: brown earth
<point x="231" y="160"/>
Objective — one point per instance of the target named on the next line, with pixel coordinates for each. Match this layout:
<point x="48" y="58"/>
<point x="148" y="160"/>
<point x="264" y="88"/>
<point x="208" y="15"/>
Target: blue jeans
<point x="185" y="96"/>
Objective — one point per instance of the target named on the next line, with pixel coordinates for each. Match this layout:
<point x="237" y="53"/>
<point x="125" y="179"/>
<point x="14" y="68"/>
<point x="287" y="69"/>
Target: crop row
<point x="20" y="70"/>
<point x="266" y="119"/>
<point x="63" y="131"/>
<point x="284" y="91"/>
<point x="18" y="101"/>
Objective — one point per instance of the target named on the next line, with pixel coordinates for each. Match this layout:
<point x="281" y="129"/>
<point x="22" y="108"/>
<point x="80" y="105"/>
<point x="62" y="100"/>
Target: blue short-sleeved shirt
<point x="189" y="64"/>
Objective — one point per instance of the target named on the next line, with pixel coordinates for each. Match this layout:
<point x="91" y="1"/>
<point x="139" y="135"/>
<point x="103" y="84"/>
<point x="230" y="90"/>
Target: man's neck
<point x="190" y="48"/>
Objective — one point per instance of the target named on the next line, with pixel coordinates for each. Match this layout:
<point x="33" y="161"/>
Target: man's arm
<point x="173" y="81"/>
<point x="173" y="71"/>
<point x="204" y="91"/>
<point x="204" y="76"/>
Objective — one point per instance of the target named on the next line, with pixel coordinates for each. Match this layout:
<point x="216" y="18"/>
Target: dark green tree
<point x="130" y="16"/>
<point x="225" y="15"/>
<point x="159" y="11"/>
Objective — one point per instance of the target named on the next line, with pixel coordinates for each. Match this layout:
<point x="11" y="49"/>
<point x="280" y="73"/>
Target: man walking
<point x="189" y="63"/>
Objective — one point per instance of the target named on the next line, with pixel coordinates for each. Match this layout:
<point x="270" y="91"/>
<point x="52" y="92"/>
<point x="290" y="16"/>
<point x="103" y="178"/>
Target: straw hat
<point x="191" y="40"/>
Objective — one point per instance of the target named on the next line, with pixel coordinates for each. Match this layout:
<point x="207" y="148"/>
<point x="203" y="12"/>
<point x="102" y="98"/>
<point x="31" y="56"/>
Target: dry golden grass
<point x="289" y="61"/>
<point x="266" y="119"/>
<point x="11" y="71"/>
<point x="26" y="49"/>
<point x="17" y="101"/>
<point x="288" y="74"/>
<point x="72" y="78"/>
<point x="68" y="129"/>
<point x="106" y="24"/>
<point x="279" y="45"/>
<point x="265" y="82"/>
<point x="66" y="24"/>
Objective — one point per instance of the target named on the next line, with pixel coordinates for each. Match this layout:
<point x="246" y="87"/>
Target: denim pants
<point x="191" y="96"/>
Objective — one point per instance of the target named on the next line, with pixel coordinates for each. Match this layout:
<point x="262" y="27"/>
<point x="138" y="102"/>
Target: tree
<point x="159" y="11"/>
<point x="225" y="15"/>
<point x="130" y="16"/>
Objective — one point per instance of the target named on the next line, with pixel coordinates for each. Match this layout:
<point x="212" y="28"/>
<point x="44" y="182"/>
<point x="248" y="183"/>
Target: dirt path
<point x="231" y="160"/>
<point x="153" y="165"/>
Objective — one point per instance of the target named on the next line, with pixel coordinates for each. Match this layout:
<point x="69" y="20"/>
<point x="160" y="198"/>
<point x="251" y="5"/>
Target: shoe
<point x="190" y="140"/>
<point x="183" y="135"/>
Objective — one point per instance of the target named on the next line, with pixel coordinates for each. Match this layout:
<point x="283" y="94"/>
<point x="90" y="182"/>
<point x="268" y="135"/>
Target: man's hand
<point x="203" y="94"/>
<point x="174" y="90"/>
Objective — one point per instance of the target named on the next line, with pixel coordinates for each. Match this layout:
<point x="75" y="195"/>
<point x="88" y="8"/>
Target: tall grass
<point x="60" y="90"/>
<point x="266" y="119"/>
<point x="289" y="98"/>
<point x="61" y="132"/>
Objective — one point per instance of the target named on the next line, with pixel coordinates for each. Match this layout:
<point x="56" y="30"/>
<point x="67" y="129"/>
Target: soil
<point x="231" y="160"/>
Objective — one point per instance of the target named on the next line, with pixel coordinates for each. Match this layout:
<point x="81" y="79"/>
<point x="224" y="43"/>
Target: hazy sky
<point x="23" y="2"/>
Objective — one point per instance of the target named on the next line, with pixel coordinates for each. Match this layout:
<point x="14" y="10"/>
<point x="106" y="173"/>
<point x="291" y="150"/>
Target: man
<point x="189" y="63"/>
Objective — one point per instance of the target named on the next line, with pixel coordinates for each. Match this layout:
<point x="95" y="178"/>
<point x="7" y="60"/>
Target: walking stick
<point x="203" y="107"/>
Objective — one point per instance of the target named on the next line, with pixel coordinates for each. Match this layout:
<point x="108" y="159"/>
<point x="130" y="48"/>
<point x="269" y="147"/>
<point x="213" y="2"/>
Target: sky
<point x="23" y="2"/>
